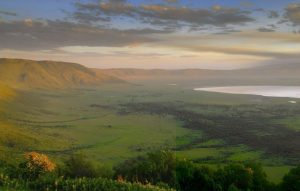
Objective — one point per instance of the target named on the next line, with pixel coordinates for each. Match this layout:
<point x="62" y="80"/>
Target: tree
<point x="259" y="178"/>
<point x="291" y="181"/>
<point x="235" y="174"/>
<point x="191" y="177"/>
<point x="232" y="187"/>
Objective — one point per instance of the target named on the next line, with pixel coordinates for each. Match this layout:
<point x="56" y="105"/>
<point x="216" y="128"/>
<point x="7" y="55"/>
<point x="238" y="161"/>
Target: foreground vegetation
<point x="156" y="171"/>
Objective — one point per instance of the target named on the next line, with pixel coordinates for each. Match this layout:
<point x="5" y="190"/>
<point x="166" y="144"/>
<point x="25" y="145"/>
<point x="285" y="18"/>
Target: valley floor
<point x="115" y="122"/>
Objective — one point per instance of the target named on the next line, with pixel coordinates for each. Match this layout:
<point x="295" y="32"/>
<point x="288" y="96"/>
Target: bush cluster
<point x="156" y="171"/>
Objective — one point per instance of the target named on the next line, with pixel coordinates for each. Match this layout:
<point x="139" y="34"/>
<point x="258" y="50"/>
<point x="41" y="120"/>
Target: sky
<point x="167" y="34"/>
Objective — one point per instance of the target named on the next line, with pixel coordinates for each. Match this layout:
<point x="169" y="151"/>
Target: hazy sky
<point x="216" y="34"/>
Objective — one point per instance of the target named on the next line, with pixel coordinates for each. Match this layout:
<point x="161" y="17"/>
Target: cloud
<point x="88" y="18"/>
<point x="117" y="1"/>
<point x="28" y="22"/>
<point x="293" y="13"/>
<point x="226" y="30"/>
<point x="264" y="29"/>
<point x="139" y="57"/>
<point x="8" y="13"/>
<point x="35" y="35"/>
<point x="155" y="13"/>
<point x="49" y="35"/>
<point x="171" y="1"/>
<point x="273" y="14"/>
<point x="128" y="51"/>
<point x="246" y="4"/>
<point x="275" y="45"/>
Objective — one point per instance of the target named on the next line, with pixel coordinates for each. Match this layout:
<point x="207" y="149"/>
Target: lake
<point x="270" y="91"/>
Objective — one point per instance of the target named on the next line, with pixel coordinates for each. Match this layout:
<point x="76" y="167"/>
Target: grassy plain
<point x="97" y="123"/>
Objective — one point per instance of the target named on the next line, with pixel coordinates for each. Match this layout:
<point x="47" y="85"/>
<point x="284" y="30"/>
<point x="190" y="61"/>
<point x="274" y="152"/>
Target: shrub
<point x="99" y="184"/>
<point x="35" y="164"/>
<point x="160" y="168"/>
<point x="77" y="184"/>
<point x="156" y="167"/>
<point x="77" y="166"/>
<point x="235" y="174"/>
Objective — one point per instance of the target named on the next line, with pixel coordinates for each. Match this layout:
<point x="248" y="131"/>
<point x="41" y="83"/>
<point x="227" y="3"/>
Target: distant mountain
<point x="276" y="74"/>
<point x="285" y="70"/>
<point x="156" y="74"/>
<point x="20" y="73"/>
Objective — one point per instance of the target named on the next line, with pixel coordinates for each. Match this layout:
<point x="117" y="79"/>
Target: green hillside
<point x="48" y="74"/>
<point x="6" y="93"/>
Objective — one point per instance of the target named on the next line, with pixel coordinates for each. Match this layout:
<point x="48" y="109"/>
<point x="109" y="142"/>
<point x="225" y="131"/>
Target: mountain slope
<point x="47" y="74"/>
<point x="6" y="93"/>
<point x="157" y="74"/>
